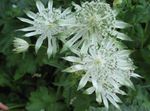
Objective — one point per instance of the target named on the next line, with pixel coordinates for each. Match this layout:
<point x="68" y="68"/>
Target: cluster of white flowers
<point x="90" y="31"/>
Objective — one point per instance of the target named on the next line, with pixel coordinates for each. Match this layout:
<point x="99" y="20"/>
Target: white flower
<point x="107" y="67"/>
<point x="48" y="23"/>
<point x="20" y="45"/>
<point x="95" y="18"/>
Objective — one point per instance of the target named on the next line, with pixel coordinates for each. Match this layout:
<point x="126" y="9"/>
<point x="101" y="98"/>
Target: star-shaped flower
<point x="47" y="23"/>
<point x="108" y="67"/>
<point x="94" y="21"/>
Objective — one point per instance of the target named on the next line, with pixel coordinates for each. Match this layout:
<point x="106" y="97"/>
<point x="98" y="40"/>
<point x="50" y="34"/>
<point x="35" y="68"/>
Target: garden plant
<point x="75" y="55"/>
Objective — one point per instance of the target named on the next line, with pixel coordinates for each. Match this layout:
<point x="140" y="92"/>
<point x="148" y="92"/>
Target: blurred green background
<point x="30" y="82"/>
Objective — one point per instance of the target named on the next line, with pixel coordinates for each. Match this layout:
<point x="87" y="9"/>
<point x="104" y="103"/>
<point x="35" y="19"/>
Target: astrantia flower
<point x="47" y="23"/>
<point x="107" y="67"/>
<point x="20" y="45"/>
<point x="95" y="18"/>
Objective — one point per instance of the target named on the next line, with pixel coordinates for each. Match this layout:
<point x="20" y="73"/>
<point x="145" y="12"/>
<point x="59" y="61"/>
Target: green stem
<point x="17" y="106"/>
<point x="59" y="87"/>
<point x="145" y="35"/>
<point x="146" y="27"/>
<point x="32" y="45"/>
<point x="146" y="86"/>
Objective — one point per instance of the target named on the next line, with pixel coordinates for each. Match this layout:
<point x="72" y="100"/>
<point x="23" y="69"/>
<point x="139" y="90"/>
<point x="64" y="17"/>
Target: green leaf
<point x="146" y="55"/>
<point x="81" y="102"/>
<point x="44" y="100"/>
<point x="25" y="65"/>
<point x="4" y="81"/>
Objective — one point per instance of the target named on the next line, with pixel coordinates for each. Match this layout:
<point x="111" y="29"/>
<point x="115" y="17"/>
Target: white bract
<point x="107" y="67"/>
<point x="94" y="21"/>
<point x="47" y="23"/>
<point x="20" y="45"/>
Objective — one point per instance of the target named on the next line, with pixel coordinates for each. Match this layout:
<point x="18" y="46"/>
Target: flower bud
<point x="20" y="45"/>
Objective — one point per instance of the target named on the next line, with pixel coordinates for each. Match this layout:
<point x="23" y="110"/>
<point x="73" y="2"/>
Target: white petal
<point x="105" y="101"/>
<point x="113" y="101"/>
<point x="124" y="53"/>
<point x="120" y="92"/>
<point x="40" y="6"/>
<point x="50" y="5"/>
<point x="116" y="98"/>
<point x="26" y="20"/>
<point x="89" y="90"/>
<point x="109" y="44"/>
<point x="84" y="47"/>
<point x="114" y="83"/>
<point x="99" y="98"/>
<point x="83" y="81"/>
<point x="31" y="14"/>
<point x="77" y="7"/>
<point x="121" y="36"/>
<point x="78" y="44"/>
<point x="27" y="29"/>
<point x="125" y="63"/>
<point x="121" y="24"/>
<point x="54" y="44"/>
<point x="115" y="12"/>
<point x="50" y="48"/>
<point x="94" y="82"/>
<point x="67" y="11"/>
<point x="39" y="43"/>
<point x="72" y="59"/>
<point x="31" y="34"/>
<point x="68" y="22"/>
<point x="125" y="67"/>
<point x="75" y="38"/>
<point x="128" y="83"/>
<point x="120" y="79"/>
<point x="135" y="75"/>
<point x="74" y="68"/>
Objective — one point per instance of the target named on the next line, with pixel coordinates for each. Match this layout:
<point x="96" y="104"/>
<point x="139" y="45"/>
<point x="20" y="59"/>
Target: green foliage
<point x="44" y="100"/>
<point x="22" y="76"/>
<point x="138" y="101"/>
<point x="4" y="80"/>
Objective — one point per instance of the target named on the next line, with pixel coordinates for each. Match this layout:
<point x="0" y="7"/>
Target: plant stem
<point x="17" y="106"/>
<point x="32" y="45"/>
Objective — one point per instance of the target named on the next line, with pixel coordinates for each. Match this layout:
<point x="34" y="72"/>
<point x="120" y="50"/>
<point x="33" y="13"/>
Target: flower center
<point x="51" y="25"/>
<point x="98" y="61"/>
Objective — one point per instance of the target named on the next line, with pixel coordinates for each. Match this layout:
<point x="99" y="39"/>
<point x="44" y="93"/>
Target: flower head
<point x="107" y="67"/>
<point x="20" y="45"/>
<point x="95" y="20"/>
<point x="48" y="23"/>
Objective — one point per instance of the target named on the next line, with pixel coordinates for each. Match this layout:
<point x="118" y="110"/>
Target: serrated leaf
<point x="44" y="99"/>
